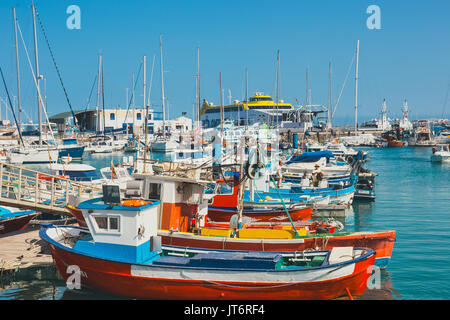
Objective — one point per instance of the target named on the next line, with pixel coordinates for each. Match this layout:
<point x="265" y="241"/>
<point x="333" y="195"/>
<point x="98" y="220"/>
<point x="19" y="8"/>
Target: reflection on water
<point x="386" y="291"/>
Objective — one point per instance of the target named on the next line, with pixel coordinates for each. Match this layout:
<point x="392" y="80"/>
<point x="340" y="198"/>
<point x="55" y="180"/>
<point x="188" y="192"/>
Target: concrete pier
<point x="23" y="249"/>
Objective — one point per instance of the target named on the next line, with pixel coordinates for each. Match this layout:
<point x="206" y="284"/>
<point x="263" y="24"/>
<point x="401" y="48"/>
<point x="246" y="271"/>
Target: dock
<point x="23" y="249"/>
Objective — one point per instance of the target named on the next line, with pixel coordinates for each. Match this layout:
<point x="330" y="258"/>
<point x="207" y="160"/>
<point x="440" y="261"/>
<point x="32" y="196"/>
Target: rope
<point x="56" y="67"/>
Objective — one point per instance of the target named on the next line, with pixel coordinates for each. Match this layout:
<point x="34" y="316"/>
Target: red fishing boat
<point x="176" y="229"/>
<point x="11" y="220"/>
<point x="120" y="253"/>
<point x="225" y="202"/>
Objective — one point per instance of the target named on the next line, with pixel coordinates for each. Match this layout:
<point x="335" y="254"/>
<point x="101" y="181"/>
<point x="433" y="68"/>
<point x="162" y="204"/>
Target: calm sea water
<point x="412" y="197"/>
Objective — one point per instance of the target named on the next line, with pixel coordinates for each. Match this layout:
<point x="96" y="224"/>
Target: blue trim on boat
<point x="183" y="265"/>
<point x="98" y="204"/>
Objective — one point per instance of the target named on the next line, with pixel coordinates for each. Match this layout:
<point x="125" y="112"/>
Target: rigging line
<point x="342" y="89"/>
<point x="132" y="94"/>
<point x="56" y="67"/>
<point x="11" y="106"/>
<point x="87" y="104"/>
<point x="44" y="107"/>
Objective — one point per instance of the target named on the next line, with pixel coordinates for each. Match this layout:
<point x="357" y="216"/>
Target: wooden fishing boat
<point x="222" y="214"/>
<point x="11" y="220"/>
<point x="177" y="219"/>
<point x="225" y="202"/>
<point x="111" y="258"/>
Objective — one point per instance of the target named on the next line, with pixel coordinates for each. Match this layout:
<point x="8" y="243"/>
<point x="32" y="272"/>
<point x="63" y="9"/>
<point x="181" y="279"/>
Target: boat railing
<point x="26" y="188"/>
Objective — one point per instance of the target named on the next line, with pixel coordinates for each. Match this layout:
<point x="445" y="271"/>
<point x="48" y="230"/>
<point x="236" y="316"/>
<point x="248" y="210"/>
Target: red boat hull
<point x="225" y="214"/>
<point x="15" y="224"/>
<point x="382" y="242"/>
<point x="116" y="278"/>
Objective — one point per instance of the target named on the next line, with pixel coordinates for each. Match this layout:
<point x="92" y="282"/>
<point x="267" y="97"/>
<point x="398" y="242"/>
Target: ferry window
<point x="102" y="222"/>
<point x="138" y="116"/>
<point x="112" y="116"/>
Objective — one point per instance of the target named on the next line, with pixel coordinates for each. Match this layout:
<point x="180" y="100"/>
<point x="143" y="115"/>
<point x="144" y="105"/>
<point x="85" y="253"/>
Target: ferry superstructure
<point x="259" y="108"/>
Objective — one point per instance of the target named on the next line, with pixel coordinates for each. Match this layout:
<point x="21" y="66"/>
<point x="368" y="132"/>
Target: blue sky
<point x="408" y="58"/>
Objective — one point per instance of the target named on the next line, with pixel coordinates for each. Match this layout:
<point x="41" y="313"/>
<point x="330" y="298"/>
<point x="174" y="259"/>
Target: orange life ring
<point x="134" y="203"/>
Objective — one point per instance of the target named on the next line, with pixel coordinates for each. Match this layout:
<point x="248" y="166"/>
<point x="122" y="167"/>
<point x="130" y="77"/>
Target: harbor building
<point x="117" y="119"/>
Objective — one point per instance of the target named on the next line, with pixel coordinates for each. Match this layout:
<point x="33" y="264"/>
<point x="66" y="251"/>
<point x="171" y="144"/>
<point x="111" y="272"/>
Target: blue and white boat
<point x="301" y="165"/>
<point x="71" y="148"/>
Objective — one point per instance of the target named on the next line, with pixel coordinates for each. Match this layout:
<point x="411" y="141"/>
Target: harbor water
<point x="412" y="197"/>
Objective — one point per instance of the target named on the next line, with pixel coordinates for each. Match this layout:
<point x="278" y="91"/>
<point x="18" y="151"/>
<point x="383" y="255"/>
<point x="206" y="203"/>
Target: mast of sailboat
<point x="146" y="114"/>
<point x="246" y="95"/>
<point x="97" y="127"/>
<point x="197" y="93"/>
<point x="221" y="105"/>
<point x="329" y="125"/>
<point x="278" y="84"/>
<point x="103" y="97"/>
<point x="18" y="73"/>
<point x="10" y="104"/>
<point x="132" y="99"/>
<point x="162" y="87"/>
<point x="38" y="77"/>
<point x="307" y="88"/>
<point x="356" y="86"/>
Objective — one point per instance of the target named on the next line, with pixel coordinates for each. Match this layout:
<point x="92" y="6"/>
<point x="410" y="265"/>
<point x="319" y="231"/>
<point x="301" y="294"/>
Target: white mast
<point x="132" y="99"/>
<point x="246" y="95"/>
<point x="36" y="61"/>
<point x="98" y="94"/>
<point x="17" y="68"/>
<point x="278" y="85"/>
<point x="162" y="88"/>
<point x="145" y="85"/>
<point x="356" y="87"/>
<point x="329" y="98"/>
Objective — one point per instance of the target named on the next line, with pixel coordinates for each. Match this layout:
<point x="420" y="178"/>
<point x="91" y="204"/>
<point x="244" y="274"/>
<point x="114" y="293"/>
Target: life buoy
<point x="134" y="203"/>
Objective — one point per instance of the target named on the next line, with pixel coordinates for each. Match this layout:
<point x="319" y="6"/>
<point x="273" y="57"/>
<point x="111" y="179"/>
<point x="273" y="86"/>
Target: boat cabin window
<point x="138" y="116"/>
<point x="154" y="191"/>
<point x="107" y="223"/>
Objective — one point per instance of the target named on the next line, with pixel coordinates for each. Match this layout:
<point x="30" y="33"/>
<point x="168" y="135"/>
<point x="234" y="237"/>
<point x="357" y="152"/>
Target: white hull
<point x="440" y="157"/>
<point x="33" y="156"/>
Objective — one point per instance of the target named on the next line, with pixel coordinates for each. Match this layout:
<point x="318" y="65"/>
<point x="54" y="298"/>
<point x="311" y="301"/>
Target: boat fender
<point x="134" y="203"/>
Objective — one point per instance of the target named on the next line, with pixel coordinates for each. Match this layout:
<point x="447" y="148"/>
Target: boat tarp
<point x="309" y="156"/>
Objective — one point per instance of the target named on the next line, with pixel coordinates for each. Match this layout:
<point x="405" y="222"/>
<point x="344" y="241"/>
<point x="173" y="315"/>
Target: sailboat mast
<point x="356" y="87"/>
<point x="221" y="105"/>
<point x="132" y="99"/>
<point x="97" y="125"/>
<point x="197" y="111"/>
<point x="103" y="97"/>
<point x="145" y="85"/>
<point x="162" y="88"/>
<point x="329" y="97"/>
<point x="18" y="73"/>
<point x="278" y="84"/>
<point x="307" y="88"/>
<point x="246" y="94"/>
<point x="36" y="62"/>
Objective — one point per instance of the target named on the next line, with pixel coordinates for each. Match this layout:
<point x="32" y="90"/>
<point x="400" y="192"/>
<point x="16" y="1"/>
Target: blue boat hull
<point x="75" y="153"/>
